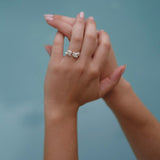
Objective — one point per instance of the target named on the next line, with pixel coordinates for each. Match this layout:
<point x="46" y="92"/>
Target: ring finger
<point x="77" y="34"/>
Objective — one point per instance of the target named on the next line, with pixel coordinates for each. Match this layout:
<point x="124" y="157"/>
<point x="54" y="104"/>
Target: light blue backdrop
<point x="133" y="27"/>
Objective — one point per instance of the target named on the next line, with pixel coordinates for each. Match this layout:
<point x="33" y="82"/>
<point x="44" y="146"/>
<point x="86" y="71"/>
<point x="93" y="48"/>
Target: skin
<point x="139" y="125"/>
<point x="70" y="83"/>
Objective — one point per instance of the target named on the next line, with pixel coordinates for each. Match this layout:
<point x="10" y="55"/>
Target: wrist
<point x="59" y="111"/>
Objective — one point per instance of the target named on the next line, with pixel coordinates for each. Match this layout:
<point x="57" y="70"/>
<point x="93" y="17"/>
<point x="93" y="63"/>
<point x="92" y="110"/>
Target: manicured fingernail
<point x="48" y="17"/>
<point x="81" y="15"/>
<point x="92" y="18"/>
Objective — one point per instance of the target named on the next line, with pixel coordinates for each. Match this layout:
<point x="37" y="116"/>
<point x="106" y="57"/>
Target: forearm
<point x="140" y="127"/>
<point x="60" y="136"/>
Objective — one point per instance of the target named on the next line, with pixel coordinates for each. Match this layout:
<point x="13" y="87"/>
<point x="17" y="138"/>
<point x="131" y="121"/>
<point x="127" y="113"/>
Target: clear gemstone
<point x="68" y="52"/>
<point x="75" y="54"/>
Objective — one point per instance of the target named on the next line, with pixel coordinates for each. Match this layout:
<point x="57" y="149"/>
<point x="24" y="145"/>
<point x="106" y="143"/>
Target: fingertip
<point x="48" y="17"/>
<point x="101" y="31"/>
<point x="91" y="18"/>
<point x="123" y="68"/>
<point x="48" y="49"/>
<point x="77" y="15"/>
<point x="81" y="14"/>
<point x="118" y="72"/>
<point x="110" y="82"/>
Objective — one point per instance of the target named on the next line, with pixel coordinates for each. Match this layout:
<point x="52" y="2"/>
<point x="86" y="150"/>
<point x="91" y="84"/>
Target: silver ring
<point x="68" y="52"/>
<point x="73" y="54"/>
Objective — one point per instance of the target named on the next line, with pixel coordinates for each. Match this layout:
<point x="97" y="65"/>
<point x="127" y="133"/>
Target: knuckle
<point x="90" y="36"/>
<point x="106" y="44"/>
<point x="105" y="41"/>
<point x="69" y="32"/>
<point x="94" y="72"/>
<point x="53" y="67"/>
<point x="80" y="68"/>
<point x="69" y="35"/>
<point x="80" y="21"/>
<point x="57" y="43"/>
<point x="58" y="67"/>
<point x="56" y="49"/>
<point x="106" y="35"/>
<point x="77" y="38"/>
<point x="65" y="68"/>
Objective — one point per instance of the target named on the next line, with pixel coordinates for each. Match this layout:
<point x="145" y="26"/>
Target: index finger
<point x="57" y="48"/>
<point x="68" y="20"/>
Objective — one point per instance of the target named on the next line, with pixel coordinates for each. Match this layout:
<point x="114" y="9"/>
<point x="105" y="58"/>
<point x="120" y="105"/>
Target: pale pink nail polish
<point x="48" y="18"/>
<point x="48" y="15"/>
<point x="92" y="18"/>
<point x="81" y="15"/>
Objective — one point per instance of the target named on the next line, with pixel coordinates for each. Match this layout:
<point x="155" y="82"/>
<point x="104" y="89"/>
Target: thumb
<point x="110" y="82"/>
<point x="48" y="49"/>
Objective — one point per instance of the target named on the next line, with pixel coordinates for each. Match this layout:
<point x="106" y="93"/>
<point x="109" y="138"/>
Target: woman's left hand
<point x="74" y="82"/>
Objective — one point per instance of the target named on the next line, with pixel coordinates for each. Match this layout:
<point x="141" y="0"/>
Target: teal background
<point x="133" y="27"/>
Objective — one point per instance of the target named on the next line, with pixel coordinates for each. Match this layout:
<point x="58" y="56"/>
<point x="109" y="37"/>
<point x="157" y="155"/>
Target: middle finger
<point x="90" y="40"/>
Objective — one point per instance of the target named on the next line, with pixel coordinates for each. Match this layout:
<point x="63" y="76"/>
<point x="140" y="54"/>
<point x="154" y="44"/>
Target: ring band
<point x="73" y="54"/>
<point x="68" y="52"/>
